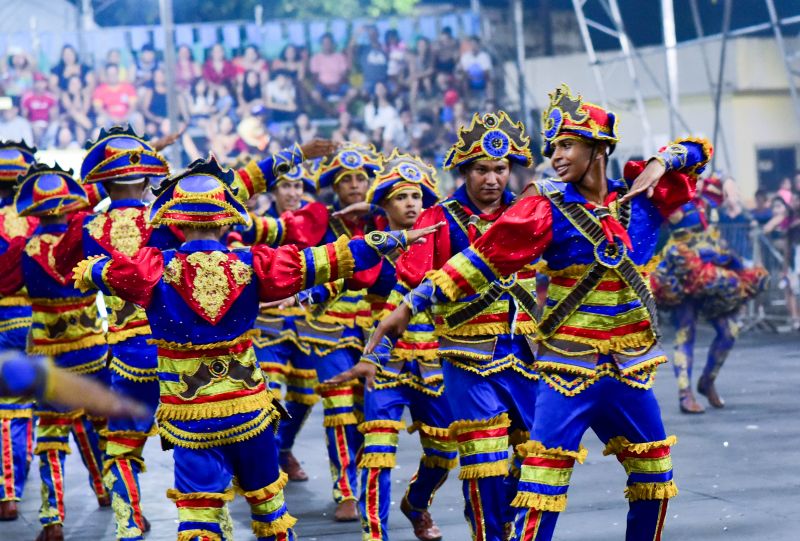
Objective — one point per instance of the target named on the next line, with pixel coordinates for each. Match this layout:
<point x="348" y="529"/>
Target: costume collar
<point x="125" y="203"/>
<point x="202" y="246"/>
<point x="572" y="195"/>
<point x="51" y="228"/>
<point x="462" y="197"/>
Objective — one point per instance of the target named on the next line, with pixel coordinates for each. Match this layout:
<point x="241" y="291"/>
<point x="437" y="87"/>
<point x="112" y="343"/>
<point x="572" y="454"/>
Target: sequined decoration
<point x="210" y="285"/>
<point x="172" y="272"/>
<point x="125" y="235"/>
<point x="97" y="226"/>
<point x="13" y="224"/>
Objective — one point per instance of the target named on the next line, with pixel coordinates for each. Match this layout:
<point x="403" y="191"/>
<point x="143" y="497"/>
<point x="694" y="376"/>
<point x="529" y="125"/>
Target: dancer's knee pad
<point x="268" y="513"/>
<point x="300" y="385"/>
<point x="338" y="403"/>
<point x="439" y="447"/>
<point x="545" y="475"/>
<point x="482" y="447"/>
<point x="201" y="514"/>
<point x="380" y="443"/>
<point x="648" y="465"/>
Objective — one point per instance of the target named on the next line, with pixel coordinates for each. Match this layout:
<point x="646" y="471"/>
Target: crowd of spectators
<point x="375" y="88"/>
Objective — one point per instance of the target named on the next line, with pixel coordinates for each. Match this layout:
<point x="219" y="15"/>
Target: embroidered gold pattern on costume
<point x="172" y="273"/>
<point x="210" y="285"/>
<point x="125" y="235"/>
<point x="14" y="225"/>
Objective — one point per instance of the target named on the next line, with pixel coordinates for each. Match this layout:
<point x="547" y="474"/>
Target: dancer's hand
<point x="280" y="304"/>
<point x="392" y="326"/>
<point x="75" y="392"/>
<point x="417" y="236"/>
<point x="362" y="369"/>
<point x="646" y="181"/>
<point x="356" y="210"/>
<point x="317" y="148"/>
<point x="163" y="142"/>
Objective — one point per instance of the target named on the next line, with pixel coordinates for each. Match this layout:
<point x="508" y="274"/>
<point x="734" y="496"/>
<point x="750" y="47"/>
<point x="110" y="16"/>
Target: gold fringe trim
<point x="378" y="460"/>
<point x="105" y="432"/>
<point x="651" y="491"/>
<point x="415" y="354"/>
<point x="381" y="423"/>
<point x="223" y="408"/>
<point x="236" y="433"/>
<point x="84" y="283"/>
<point x="191" y="535"/>
<point x="175" y="495"/>
<point x="621" y="443"/>
<point x="54" y="349"/>
<point x="642" y="339"/>
<point x="26" y="413"/>
<point x="480" y="471"/>
<point x="189" y="346"/>
<point x="578" y="270"/>
<point x="439" y="462"/>
<point x="459" y="427"/>
<point x="271" y="529"/>
<point x="72" y="414"/>
<point x="266" y="492"/>
<point x="15" y="300"/>
<point x="345" y="264"/>
<point x="540" y="502"/>
<point x="52" y="446"/>
<point x="115" y="337"/>
<point x="300" y="373"/>
<point x="536" y="448"/>
<point x="430" y="431"/>
<point x="340" y="419"/>
<point x="300" y="398"/>
<point x="446" y="284"/>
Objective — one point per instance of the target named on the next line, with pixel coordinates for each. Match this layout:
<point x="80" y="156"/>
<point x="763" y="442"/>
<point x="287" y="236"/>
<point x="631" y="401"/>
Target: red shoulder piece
<point x="11" y="279"/>
<point x="305" y="226"/>
<point x="42" y="249"/>
<point x="135" y="280"/>
<point x="430" y="255"/>
<point x="672" y="191"/>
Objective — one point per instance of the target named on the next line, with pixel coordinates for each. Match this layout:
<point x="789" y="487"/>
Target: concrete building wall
<point x="756" y="109"/>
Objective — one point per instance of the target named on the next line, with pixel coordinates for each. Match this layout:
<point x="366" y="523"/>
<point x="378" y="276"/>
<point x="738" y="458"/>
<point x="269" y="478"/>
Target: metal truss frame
<point x="629" y="55"/>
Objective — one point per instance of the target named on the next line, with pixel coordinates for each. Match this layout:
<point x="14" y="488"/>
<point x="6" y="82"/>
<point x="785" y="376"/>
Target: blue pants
<point x="383" y="410"/>
<point x="491" y="412"/>
<point x="684" y="317"/>
<point x="628" y="420"/>
<point x="52" y="438"/>
<point x="16" y="414"/>
<point x="134" y="372"/>
<point x="202" y="489"/>
<point x="342" y="407"/>
<point x="285" y="363"/>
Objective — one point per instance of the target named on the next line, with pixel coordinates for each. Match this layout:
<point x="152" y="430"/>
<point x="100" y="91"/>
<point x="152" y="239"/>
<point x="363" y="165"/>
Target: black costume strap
<point x="589" y="227"/>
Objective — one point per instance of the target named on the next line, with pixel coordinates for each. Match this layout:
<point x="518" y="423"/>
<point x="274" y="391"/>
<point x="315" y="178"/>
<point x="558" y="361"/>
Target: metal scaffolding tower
<point x="628" y="54"/>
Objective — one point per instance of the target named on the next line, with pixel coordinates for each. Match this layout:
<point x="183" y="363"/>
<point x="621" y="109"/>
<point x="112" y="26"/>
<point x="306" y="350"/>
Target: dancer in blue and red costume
<point x="124" y="164"/>
<point x="408" y="378"/>
<point x="330" y="328"/>
<point x="65" y="325"/>
<point x="202" y="301"/>
<point x="700" y="275"/>
<point x="16" y="413"/>
<point x="283" y="357"/>
<point x="597" y="339"/>
<point x="482" y="340"/>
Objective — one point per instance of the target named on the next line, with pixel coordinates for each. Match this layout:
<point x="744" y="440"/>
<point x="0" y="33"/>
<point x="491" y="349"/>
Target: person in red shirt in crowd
<point x="39" y="106"/>
<point x="114" y="101"/>
<point x="329" y="69"/>
<point x="217" y="69"/>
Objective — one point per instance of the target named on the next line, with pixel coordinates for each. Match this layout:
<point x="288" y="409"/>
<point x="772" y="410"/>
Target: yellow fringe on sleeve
<point x="345" y="264"/>
<point x="446" y="284"/>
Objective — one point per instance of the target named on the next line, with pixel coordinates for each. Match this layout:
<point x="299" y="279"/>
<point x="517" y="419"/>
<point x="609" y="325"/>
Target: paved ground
<point x="737" y="470"/>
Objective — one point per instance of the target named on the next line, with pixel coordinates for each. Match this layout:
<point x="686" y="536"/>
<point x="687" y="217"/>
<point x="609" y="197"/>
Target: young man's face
<point x="352" y="188"/>
<point x="288" y="195"/>
<point x="403" y="209"/>
<point x="571" y="158"/>
<point x="486" y="180"/>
